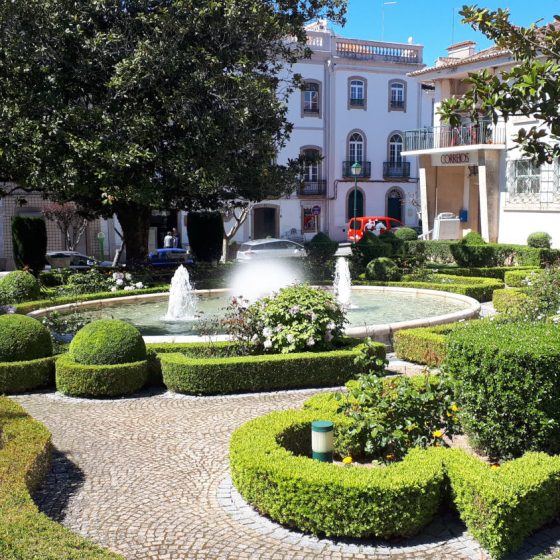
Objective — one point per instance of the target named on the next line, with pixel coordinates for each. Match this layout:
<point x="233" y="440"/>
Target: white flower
<point x="310" y="341"/>
<point x="331" y="326"/>
<point x="267" y="331"/>
<point x="119" y="282"/>
<point x="279" y="328"/>
<point x="139" y="285"/>
<point x="313" y="317"/>
<point x="328" y="336"/>
<point x="128" y="276"/>
<point x="114" y="289"/>
<point x="267" y="343"/>
<point x="290" y="338"/>
<point x="118" y="276"/>
<point x="129" y="288"/>
<point x="254" y="338"/>
<point x="115" y="275"/>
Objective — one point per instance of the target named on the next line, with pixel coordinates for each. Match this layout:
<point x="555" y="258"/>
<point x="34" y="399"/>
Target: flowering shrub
<point x="124" y="281"/>
<point x="543" y="295"/>
<point x="296" y="319"/>
<point x="94" y="281"/>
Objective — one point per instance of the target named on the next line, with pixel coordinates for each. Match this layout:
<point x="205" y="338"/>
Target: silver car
<point x="269" y="249"/>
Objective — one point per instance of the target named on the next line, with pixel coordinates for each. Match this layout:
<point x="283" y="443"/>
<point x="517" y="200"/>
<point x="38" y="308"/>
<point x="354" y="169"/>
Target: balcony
<point x="449" y="137"/>
<point x="357" y="102"/>
<point x="313" y="188"/>
<point x="396" y="169"/>
<point x="397" y="104"/>
<point x="347" y="169"/>
<point x="377" y="51"/>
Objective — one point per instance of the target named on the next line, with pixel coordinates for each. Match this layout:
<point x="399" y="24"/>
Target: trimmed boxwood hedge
<point x="508" y="300"/>
<point x="498" y="272"/>
<point x="425" y="345"/>
<point x="207" y="376"/>
<point x="17" y="377"/>
<point x="25" y="533"/>
<point x="23" y="338"/>
<point x="500" y="507"/>
<point x="79" y="380"/>
<point x="518" y="278"/>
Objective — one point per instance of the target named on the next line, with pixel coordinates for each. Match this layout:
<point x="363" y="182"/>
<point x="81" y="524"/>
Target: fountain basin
<point x="376" y="319"/>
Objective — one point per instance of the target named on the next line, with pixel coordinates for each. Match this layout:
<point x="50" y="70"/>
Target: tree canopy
<point x="531" y="88"/>
<point x="130" y="105"/>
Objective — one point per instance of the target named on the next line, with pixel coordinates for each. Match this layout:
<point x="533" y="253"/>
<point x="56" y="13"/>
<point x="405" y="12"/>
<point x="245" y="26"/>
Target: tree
<point x="530" y="89"/>
<point x="69" y="221"/>
<point x="123" y="106"/>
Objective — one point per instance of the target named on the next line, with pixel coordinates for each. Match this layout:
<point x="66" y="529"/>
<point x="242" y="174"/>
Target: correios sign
<point x="455" y="159"/>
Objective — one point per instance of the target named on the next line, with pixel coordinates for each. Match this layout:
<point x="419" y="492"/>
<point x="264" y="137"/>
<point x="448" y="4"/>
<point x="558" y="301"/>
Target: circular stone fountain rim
<point x="378" y="331"/>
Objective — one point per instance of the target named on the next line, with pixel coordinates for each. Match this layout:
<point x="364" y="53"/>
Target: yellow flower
<point x="347" y="460"/>
<point x="449" y="415"/>
<point x="390" y="457"/>
<point x="454" y="408"/>
<point x="437" y="434"/>
<point x="411" y="427"/>
<point x="494" y="467"/>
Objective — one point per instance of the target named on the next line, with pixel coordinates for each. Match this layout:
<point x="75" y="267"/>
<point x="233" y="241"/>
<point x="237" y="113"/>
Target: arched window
<point x="357" y="93"/>
<point x="395" y="149"/>
<point x="359" y="204"/>
<point x="312" y="165"/>
<point x="397" y="96"/>
<point x="356" y="148"/>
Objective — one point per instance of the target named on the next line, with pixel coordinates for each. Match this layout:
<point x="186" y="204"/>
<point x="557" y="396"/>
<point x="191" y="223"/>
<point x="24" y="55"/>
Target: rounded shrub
<point x="369" y="247"/>
<point x="406" y="234"/>
<point x="383" y="269"/>
<point x="507" y="382"/>
<point x="19" y="286"/>
<point x="539" y="240"/>
<point x="321" y="248"/>
<point x="23" y="338"/>
<point x="473" y="238"/>
<point x="108" y="342"/>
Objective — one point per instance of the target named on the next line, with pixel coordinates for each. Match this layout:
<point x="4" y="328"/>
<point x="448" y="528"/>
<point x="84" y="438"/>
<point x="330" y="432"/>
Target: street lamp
<point x="356" y="170"/>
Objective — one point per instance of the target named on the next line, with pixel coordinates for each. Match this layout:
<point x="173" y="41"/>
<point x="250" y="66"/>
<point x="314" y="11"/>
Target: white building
<point x="477" y="171"/>
<point x="357" y="102"/>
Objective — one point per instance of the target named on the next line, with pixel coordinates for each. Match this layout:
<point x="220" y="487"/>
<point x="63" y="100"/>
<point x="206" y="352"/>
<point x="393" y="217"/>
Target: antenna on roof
<point x="453" y="26"/>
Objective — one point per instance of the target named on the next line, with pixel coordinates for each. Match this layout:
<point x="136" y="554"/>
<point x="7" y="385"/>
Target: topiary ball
<point x="539" y="240"/>
<point x="23" y="338"/>
<point x="108" y="342"/>
<point x="383" y="270"/>
<point x="19" y="286"/>
<point x="406" y="234"/>
<point x="473" y="238"/>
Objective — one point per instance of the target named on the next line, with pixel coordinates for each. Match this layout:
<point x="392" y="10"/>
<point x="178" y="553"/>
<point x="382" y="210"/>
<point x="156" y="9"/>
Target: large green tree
<point x="531" y="88"/>
<point x="129" y="105"/>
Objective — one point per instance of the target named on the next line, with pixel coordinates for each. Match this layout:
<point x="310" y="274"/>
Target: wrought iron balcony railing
<point x="347" y="169"/>
<point x="357" y="102"/>
<point x="313" y="188"/>
<point x="396" y="169"/>
<point x="397" y="103"/>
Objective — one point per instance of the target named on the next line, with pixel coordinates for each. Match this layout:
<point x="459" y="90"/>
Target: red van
<point x="356" y="228"/>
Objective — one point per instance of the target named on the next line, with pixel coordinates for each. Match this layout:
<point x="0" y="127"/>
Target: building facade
<point x="476" y="171"/>
<point x="355" y="105"/>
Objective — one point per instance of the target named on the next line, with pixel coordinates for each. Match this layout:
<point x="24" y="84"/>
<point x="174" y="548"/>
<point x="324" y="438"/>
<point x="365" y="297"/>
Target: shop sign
<point x="455" y="159"/>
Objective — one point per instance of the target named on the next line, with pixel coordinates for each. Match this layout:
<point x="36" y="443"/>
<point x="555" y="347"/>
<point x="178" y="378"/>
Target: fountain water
<point x="342" y="284"/>
<point x="182" y="302"/>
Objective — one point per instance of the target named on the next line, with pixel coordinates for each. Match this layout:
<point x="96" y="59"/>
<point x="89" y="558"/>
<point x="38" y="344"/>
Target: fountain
<point x="342" y="285"/>
<point x="182" y="301"/>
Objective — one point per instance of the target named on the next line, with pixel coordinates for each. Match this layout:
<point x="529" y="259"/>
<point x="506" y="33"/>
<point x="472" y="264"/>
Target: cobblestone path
<point x="146" y="476"/>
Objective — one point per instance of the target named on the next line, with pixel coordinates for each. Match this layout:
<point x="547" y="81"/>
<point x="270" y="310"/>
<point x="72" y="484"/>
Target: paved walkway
<point x="148" y="477"/>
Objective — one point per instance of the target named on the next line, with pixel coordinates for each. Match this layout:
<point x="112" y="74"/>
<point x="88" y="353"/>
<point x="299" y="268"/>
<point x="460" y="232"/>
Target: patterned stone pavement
<point x="148" y="477"/>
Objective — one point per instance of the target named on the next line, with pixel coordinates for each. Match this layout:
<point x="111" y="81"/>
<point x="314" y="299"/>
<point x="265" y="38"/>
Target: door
<point x="264" y="223"/>
<point x="394" y="205"/>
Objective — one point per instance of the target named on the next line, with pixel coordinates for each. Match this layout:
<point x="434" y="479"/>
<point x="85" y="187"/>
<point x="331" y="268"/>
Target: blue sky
<point x="430" y="22"/>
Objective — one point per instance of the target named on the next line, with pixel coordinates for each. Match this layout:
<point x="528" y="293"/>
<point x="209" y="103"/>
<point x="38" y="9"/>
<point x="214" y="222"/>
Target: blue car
<point x="169" y="258"/>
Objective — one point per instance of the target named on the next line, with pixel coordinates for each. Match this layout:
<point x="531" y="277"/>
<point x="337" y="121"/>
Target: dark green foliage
<point x="369" y="247"/>
<point x="498" y="272"/>
<point x="90" y="282"/>
<point x="206" y="235"/>
<point x="383" y="269"/>
<point x="321" y="249"/>
<point x="473" y="255"/>
<point x="17" y="377"/>
<point x="425" y="345"/>
<point x="29" y="242"/>
<point x="322" y="498"/>
<point x="519" y="278"/>
<point x="395" y="242"/>
<point x="406" y="234"/>
<point x="509" y="300"/>
<point x="507" y="377"/>
<point x="434" y="251"/>
<point x="25" y="532"/>
<point x="80" y="380"/>
<point x="23" y="338"/>
<point x="206" y="376"/>
<point x="19" y="286"/>
<point x="539" y="240"/>
<point x="474" y="238"/>
<point x="108" y="342"/>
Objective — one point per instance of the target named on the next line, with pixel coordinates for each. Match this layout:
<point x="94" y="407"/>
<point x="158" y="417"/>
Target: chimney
<point x="461" y="50"/>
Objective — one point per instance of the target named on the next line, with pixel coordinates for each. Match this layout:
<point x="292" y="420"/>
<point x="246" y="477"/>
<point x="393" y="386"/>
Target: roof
<point x="445" y="63"/>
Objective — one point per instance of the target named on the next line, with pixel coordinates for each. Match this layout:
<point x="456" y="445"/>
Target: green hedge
<point x="17" y="377"/>
<point x="207" y="376"/>
<point x="18" y="286"/>
<point x="425" y="345"/>
<point x="518" y="278"/>
<point x="321" y="498"/>
<point x="480" y="289"/>
<point x="508" y="300"/>
<point x="507" y="379"/>
<point x="271" y="469"/>
<point x="23" y="338"/>
<point x="78" y="380"/>
<point x="498" y="272"/>
<point x="28" y="307"/>
<point x="25" y="533"/>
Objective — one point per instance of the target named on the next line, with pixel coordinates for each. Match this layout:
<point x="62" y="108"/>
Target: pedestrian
<point x="168" y="241"/>
<point x="175" y="235"/>
<point x="379" y="228"/>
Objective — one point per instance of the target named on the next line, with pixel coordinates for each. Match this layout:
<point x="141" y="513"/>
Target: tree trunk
<point x="135" y="224"/>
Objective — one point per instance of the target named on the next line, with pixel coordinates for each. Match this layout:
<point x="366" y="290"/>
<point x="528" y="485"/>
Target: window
<point x="395" y="149"/>
<point x="311" y="99"/>
<point x="397" y="96"/>
<point x="311" y="169"/>
<point x="356" y="93"/>
<point x="359" y="204"/>
<point x="531" y="187"/>
<point x="356" y="148"/>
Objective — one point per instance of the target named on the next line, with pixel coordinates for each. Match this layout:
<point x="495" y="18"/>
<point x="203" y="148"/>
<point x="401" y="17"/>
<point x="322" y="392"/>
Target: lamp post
<point x="356" y="171"/>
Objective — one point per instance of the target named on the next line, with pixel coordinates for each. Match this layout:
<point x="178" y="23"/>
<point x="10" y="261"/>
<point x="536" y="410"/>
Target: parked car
<point x="169" y="258"/>
<point x="357" y="227"/>
<point x="269" y="249"/>
<point x="73" y="259"/>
